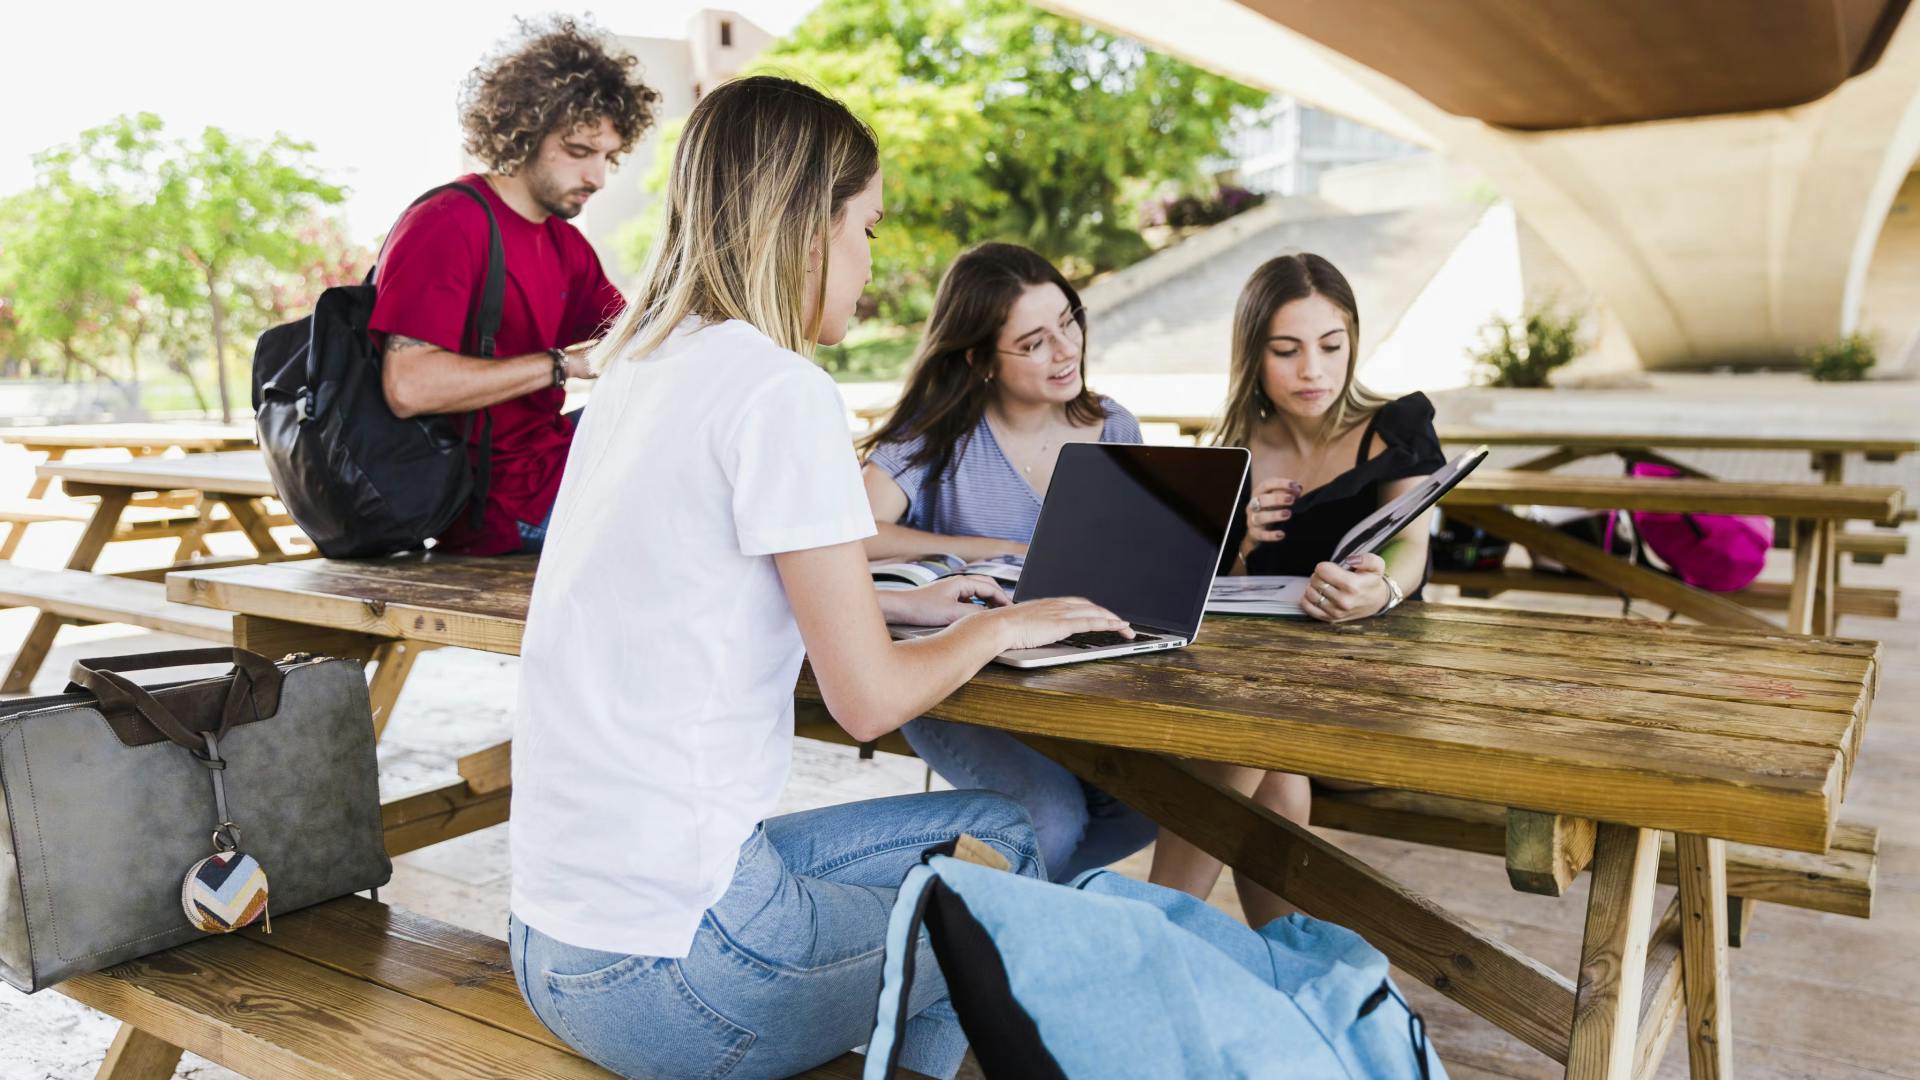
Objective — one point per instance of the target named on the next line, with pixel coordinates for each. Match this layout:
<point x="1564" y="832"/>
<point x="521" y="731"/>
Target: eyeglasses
<point x="1068" y="334"/>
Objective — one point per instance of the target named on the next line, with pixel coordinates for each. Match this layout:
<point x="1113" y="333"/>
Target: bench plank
<point x="78" y="595"/>
<point x="349" y="988"/>
<point x="265" y="1012"/>
<point x="1873" y="602"/>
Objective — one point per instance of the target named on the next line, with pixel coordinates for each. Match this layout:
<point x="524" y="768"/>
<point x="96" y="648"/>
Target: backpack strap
<point x="483" y="323"/>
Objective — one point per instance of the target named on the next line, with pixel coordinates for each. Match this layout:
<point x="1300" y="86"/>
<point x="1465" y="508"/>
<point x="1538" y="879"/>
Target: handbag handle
<point x="254" y="690"/>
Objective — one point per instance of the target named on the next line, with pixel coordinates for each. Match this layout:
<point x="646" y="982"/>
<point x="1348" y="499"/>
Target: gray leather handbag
<point x="115" y="794"/>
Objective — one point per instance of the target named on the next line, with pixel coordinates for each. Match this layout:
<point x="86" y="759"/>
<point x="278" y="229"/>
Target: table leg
<point x="1703" y="903"/>
<point x="1826" y="587"/>
<point x="1514" y="991"/>
<point x="392" y="661"/>
<point x="39" y="640"/>
<point x="193" y="542"/>
<point x="1591" y="562"/>
<point x="1613" y="954"/>
<point x="1806" y="576"/>
<point x="41" y="483"/>
<point x="136" y="1055"/>
<point x="17" y="531"/>
<point x="251" y="518"/>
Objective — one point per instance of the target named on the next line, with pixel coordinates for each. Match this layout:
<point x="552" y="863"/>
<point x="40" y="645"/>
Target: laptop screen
<point x="1136" y="529"/>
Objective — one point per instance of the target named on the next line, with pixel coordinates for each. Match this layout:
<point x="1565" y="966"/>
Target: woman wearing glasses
<point x="962" y="464"/>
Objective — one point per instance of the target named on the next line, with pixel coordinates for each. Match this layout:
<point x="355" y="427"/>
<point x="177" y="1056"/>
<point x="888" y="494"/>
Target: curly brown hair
<point x="553" y="76"/>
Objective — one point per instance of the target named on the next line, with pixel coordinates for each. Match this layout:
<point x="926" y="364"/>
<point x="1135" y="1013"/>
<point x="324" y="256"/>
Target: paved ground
<point x="1816" y="995"/>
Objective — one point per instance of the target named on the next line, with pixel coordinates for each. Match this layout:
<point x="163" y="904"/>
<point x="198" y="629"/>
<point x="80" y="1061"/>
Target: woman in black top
<point x="1326" y="453"/>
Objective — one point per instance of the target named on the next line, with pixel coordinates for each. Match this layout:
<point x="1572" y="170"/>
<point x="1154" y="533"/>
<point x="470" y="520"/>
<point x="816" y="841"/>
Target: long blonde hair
<point x="1277" y="283"/>
<point x="764" y="168"/>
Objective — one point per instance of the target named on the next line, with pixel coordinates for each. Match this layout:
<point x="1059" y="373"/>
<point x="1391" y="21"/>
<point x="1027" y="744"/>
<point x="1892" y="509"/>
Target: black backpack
<point x="358" y="480"/>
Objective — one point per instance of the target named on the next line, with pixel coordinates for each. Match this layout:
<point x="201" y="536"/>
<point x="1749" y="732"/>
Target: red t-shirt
<point x="430" y="281"/>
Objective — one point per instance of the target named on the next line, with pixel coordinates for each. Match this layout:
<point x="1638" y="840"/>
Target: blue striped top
<point x="982" y="493"/>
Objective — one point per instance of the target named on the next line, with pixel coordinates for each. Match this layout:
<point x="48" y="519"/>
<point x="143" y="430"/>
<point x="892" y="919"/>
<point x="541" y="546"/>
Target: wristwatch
<point x="1394" y="595"/>
<point x="559" y="366"/>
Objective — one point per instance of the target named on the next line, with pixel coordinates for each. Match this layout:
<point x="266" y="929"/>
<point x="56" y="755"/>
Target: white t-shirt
<point x="655" y="721"/>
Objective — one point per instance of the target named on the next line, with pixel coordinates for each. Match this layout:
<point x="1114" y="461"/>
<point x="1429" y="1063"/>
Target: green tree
<point x="227" y="206"/>
<point x="72" y="252"/>
<point x="131" y="242"/>
<point x="998" y="121"/>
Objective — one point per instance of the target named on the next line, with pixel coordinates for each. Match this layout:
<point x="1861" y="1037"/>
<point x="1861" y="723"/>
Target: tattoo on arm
<point x="399" y="342"/>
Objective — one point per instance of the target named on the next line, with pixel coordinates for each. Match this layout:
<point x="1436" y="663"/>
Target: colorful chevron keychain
<point x="228" y="889"/>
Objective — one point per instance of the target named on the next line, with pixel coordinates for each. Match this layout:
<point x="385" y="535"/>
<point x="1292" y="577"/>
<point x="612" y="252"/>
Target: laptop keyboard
<point x="1100" y="639"/>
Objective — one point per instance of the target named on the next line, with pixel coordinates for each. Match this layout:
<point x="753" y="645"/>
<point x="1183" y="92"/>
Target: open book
<point x="1280" y="595"/>
<point x="913" y="573"/>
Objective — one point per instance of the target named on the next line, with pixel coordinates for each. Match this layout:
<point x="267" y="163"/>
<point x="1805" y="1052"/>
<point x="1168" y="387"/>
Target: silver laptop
<point x="1136" y="529"/>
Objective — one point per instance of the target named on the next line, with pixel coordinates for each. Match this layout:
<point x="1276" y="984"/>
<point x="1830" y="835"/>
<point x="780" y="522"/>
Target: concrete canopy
<point x="1735" y="239"/>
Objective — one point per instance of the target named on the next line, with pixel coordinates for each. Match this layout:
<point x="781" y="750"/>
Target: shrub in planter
<point x="1521" y="353"/>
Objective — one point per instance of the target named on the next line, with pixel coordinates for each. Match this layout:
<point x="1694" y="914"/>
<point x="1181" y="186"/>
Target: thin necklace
<point x="1027" y="470"/>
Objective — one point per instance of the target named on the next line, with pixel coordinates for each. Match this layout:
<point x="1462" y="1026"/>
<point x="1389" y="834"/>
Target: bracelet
<point x="559" y="367"/>
<point x="1394" y="595"/>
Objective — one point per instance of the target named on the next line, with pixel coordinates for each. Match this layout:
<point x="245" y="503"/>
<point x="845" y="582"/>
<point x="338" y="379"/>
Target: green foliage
<point x="871" y="353"/>
<point x="1523" y="353"/>
<point x="132" y="244"/>
<point x="1846" y="360"/>
<point x="998" y="121"/>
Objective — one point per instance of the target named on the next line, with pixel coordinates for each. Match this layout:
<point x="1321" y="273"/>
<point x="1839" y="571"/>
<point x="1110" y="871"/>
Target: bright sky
<point x="371" y="84"/>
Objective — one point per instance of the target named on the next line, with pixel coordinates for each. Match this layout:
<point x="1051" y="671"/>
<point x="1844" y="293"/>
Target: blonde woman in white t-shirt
<point x="708" y="531"/>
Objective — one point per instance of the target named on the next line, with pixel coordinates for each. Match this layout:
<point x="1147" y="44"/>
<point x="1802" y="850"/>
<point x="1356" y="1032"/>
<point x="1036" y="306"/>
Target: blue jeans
<point x="785" y="969"/>
<point x="1078" y="826"/>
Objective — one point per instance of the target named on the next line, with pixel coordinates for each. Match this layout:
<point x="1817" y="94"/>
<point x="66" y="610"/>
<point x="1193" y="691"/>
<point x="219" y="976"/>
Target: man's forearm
<point x="421" y="379"/>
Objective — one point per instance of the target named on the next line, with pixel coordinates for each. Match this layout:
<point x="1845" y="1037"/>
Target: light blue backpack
<point x="1110" y="977"/>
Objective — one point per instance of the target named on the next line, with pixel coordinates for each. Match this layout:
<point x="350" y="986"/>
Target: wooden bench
<point x="136" y="523"/>
<point x="77" y="597"/>
<point x="1874" y="602"/>
<point x="347" y="989"/>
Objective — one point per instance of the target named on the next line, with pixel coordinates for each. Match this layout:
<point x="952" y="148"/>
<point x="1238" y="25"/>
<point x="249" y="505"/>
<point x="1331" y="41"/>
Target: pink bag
<point x="1716" y="552"/>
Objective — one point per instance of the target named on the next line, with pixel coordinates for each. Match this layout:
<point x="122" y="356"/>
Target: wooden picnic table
<point x="139" y="440"/>
<point x="234" y="479"/>
<point x="1828" y="452"/>
<point x="1815" y="513"/>
<point x="1643" y="727"/>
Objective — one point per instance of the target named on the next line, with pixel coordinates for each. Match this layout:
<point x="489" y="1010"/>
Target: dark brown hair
<point x="948" y="389"/>
<point x="552" y="77"/>
<point x="1277" y="283"/>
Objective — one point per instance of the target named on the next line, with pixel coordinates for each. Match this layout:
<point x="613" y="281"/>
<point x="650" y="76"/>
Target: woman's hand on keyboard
<point x="1043" y="622"/>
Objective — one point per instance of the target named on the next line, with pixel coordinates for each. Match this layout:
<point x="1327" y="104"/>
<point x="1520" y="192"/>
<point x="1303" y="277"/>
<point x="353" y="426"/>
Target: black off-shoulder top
<point x="1322" y="516"/>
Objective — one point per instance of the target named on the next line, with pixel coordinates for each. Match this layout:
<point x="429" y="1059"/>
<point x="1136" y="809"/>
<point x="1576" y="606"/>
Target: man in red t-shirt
<point x="547" y="118"/>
